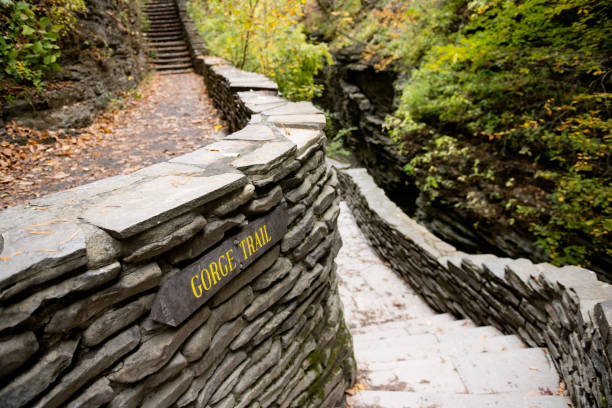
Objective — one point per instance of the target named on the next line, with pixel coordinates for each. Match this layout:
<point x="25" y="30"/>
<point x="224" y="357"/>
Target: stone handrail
<point x="565" y="309"/>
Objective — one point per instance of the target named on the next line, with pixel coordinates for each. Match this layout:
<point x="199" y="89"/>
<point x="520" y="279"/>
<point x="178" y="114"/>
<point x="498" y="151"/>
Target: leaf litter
<point x="169" y="116"/>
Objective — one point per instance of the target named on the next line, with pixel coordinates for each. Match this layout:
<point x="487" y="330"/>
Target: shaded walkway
<point x="172" y="116"/>
<point x="410" y="357"/>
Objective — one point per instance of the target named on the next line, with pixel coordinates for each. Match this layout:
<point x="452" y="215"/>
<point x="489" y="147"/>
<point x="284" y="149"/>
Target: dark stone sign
<point x="188" y="290"/>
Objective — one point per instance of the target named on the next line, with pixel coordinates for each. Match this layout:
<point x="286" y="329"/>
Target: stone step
<point x="154" y="40"/>
<point x="163" y="13"/>
<point x="170" y="44"/>
<point x="405" y="323"/>
<point x="172" y="61"/>
<point x="524" y="370"/>
<point x="163" y="20"/>
<point x="163" y="27"/>
<point x="172" y="66"/>
<point x="428" y="375"/>
<point x="160" y="4"/>
<point x="423" y="346"/>
<point x="459" y="328"/>
<point x="513" y="370"/>
<point x="169" y="55"/>
<point x="161" y="10"/>
<point x="169" y="50"/>
<point x="395" y="399"/>
<point x="164" y="34"/>
<point x="176" y="71"/>
<point x="395" y="337"/>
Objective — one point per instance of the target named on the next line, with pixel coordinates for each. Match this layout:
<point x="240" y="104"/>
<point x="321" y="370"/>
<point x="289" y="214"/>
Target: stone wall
<point x="565" y="309"/>
<point x="79" y="270"/>
<point x="194" y="41"/>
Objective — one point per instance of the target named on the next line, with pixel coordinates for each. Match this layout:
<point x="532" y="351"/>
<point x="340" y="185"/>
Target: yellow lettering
<point x="243" y="249"/>
<point x="250" y="245"/>
<point x="202" y="277"/>
<point x="222" y="268"/>
<point x="230" y="259"/>
<point x="268" y="239"/>
<point x="214" y="272"/>
<point x="257" y="241"/>
<point x="193" y="287"/>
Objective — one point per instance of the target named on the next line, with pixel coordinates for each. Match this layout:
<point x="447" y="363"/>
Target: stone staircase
<point x="410" y="357"/>
<point x="169" y="52"/>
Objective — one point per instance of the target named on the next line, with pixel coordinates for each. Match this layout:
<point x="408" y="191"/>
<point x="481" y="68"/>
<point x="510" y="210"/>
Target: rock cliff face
<point x="103" y="54"/>
<point x="360" y="97"/>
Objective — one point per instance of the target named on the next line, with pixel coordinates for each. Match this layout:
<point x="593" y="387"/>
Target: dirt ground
<point x="167" y="116"/>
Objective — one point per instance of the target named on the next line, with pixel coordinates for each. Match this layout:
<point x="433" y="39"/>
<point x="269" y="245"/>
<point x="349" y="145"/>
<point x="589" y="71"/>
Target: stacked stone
<point x="224" y="83"/>
<point x="81" y="268"/>
<point x="197" y="47"/>
<point x="565" y="309"/>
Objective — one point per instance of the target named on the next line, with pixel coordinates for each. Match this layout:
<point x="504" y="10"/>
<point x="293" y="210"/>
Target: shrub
<point x="263" y="36"/>
<point x="29" y="35"/>
<point x="521" y="85"/>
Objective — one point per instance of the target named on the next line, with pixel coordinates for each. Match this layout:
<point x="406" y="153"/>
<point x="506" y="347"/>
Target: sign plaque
<point x="189" y="289"/>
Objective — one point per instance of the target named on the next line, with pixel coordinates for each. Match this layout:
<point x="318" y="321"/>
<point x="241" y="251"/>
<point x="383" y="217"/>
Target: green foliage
<point x="263" y="36"/>
<point x="63" y="13"/>
<point x="524" y="76"/>
<point x="335" y="147"/>
<point x="521" y="85"/>
<point x="29" y="35"/>
<point x="28" y="46"/>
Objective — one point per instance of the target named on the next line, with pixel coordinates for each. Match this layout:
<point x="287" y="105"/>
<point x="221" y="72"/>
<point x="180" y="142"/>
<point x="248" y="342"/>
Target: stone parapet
<point x="565" y="309"/>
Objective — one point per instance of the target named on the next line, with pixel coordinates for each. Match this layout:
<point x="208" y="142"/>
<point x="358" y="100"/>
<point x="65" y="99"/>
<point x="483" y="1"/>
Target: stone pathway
<point x="410" y="357"/>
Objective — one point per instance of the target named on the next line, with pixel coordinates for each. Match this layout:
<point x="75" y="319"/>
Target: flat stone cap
<point x="34" y="241"/>
<point x="145" y="205"/>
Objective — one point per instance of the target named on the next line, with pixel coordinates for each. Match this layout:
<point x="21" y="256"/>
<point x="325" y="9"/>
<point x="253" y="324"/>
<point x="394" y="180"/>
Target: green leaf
<point x="27" y="31"/>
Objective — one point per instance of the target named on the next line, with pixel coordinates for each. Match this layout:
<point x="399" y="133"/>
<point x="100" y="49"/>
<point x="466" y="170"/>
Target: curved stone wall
<point x="565" y="309"/>
<point x="80" y="270"/>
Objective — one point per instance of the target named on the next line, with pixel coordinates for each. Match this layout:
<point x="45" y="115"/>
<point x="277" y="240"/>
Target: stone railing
<point x="81" y="269"/>
<point x="565" y="309"/>
<point x="194" y="41"/>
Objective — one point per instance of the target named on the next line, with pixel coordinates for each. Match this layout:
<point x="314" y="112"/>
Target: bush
<point x="263" y="36"/>
<point x="522" y="86"/>
<point x="29" y="35"/>
<point x="28" y="46"/>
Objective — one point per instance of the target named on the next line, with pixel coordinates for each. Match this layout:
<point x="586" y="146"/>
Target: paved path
<point x="409" y="356"/>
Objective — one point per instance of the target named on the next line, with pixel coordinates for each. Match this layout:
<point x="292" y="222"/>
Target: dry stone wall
<point x="80" y="269"/>
<point x="564" y="309"/>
